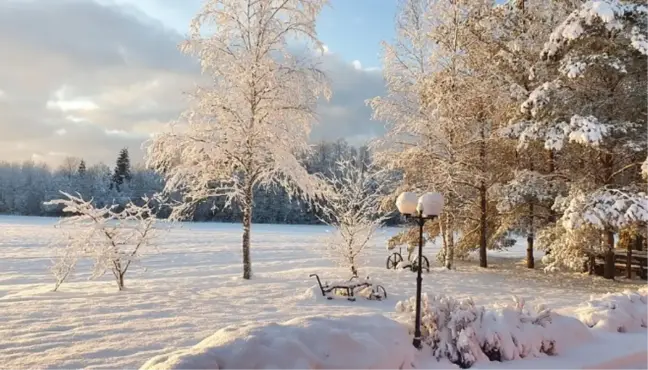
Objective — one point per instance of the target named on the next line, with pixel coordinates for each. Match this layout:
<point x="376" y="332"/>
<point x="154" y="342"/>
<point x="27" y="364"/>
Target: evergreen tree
<point x="81" y="171"/>
<point x="122" y="169"/>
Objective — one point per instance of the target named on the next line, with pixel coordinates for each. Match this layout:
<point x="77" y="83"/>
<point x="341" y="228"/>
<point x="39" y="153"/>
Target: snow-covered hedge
<point x="465" y="333"/>
<point x="616" y="312"/>
<point x="316" y="342"/>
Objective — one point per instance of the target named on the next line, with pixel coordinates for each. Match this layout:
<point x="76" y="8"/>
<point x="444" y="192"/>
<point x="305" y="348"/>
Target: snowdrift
<point x="316" y="342"/>
<point x="464" y="333"/>
<point x="616" y="312"/>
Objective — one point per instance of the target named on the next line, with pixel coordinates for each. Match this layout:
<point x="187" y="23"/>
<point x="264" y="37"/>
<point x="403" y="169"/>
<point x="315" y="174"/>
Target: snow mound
<point x="316" y="342"/>
<point x="464" y="333"/>
<point x="616" y="312"/>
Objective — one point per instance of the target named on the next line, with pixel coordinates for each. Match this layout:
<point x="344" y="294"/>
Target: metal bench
<point x="350" y="287"/>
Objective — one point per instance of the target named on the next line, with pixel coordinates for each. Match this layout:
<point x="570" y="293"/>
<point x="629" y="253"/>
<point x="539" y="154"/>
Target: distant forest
<point x="25" y="186"/>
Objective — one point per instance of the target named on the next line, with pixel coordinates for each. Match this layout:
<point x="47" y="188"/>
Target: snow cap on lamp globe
<point x="406" y="203"/>
<point x="430" y="204"/>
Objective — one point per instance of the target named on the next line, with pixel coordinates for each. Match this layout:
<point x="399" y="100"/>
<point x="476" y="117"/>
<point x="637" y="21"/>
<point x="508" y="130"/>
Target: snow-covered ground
<point x="191" y="287"/>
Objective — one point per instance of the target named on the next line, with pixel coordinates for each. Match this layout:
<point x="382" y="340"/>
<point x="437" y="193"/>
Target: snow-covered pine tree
<point x="516" y="32"/>
<point x="122" y="172"/>
<point x="597" y="112"/>
<point x="81" y="170"/>
<point x="243" y="130"/>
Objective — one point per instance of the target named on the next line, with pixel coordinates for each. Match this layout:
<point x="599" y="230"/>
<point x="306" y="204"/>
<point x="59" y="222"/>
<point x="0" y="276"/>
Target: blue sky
<point x="352" y="29"/>
<point x="355" y="28"/>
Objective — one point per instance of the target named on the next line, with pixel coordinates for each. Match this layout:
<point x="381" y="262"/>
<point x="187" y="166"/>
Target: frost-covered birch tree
<point x="245" y="127"/>
<point x="355" y="192"/>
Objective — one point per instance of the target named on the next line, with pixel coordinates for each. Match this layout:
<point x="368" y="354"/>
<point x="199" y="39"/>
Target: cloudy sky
<point x="87" y="77"/>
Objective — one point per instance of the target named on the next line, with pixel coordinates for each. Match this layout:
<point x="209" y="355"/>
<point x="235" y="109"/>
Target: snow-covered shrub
<point x="616" y="312"/>
<point x="316" y="342"/>
<point x="465" y="333"/>
<point x="112" y="238"/>
<point x="353" y="199"/>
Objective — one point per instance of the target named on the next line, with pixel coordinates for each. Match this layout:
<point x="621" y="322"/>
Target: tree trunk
<point x="531" y="230"/>
<point x="591" y="265"/>
<point x="608" y="271"/>
<point x="529" y="258"/>
<point x="638" y="242"/>
<point x="607" y="161"/>
<point x="552" y="212"/>
<point x="120" y="281"/>
<point x="442" y="226"/>
<point x="629" y="263"/>
<point x="450" y="237"/>
<point x="482" y="226"/>
<point x="482" y="195"/>
<point x="552" y="169"/>
<point x="247" y="225"/>
<point x="448" y="240"/>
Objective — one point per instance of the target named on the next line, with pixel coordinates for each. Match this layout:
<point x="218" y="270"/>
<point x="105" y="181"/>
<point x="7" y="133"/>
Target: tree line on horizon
<point x="25" y="186"/>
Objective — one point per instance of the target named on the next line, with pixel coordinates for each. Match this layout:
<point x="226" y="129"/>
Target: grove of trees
<point x="529" y="116"/>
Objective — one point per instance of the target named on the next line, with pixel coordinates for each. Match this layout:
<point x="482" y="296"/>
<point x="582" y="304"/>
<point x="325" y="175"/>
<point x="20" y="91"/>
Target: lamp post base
<point x="417" y="343"/>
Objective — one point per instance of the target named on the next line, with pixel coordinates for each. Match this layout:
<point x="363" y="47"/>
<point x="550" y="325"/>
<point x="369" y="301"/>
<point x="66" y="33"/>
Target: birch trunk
<point x="247" y="225"/>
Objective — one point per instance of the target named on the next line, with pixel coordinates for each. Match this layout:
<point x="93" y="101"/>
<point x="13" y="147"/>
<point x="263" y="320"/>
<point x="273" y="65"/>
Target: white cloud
<point x="88" y="80"/>
<point x="116" y="132"/>
<point x="72" y="105"/>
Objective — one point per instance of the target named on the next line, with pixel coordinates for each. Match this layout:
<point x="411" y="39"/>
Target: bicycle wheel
<point x="425" y="263"/>
<point x="393" y="260"/>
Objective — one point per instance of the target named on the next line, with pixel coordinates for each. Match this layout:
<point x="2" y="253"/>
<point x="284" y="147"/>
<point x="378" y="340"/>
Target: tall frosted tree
<point x="441" y="107"/>
<point x="244" y="129"/>
<point x="406" y="146"/>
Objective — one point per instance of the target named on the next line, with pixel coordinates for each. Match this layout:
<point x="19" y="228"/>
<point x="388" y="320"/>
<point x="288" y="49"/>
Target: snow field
<point x="190" y="288"/>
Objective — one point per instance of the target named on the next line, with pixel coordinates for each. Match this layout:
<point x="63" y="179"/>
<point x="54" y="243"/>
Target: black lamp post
<point x="427" y="207"/>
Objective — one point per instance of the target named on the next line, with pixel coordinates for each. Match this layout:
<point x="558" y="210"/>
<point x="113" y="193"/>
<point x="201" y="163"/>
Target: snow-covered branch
<point x="611" y="16"/>
<point x="606" y="208"/>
